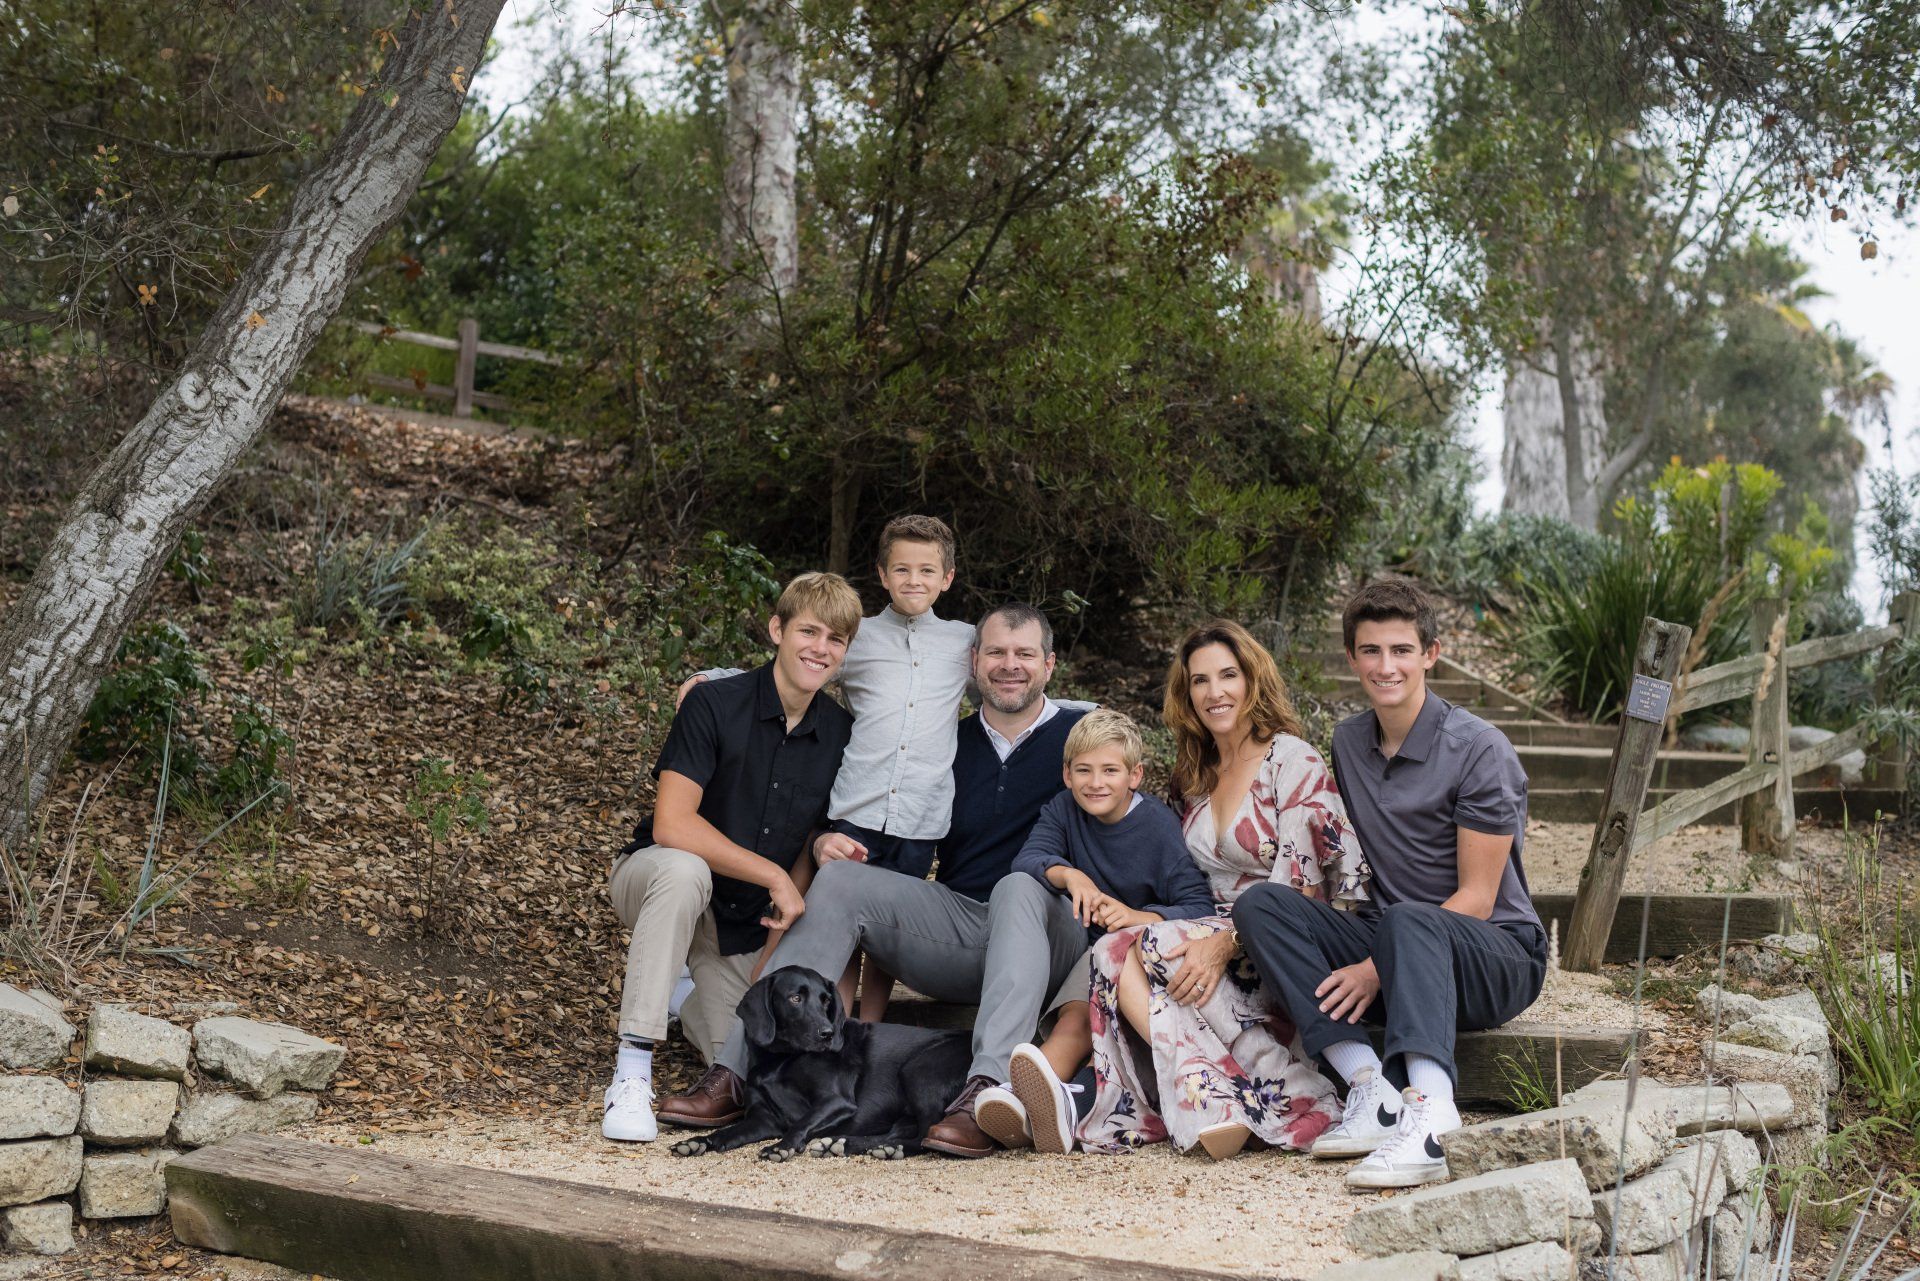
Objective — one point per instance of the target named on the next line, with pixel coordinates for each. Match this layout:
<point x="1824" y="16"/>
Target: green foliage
<point x="355" y="581"/>
<point x="1694" y="551"/>
<point x="190" y="564"/>
<point x="148" y="708"/>
<point x="714" y="606"/>
<point x="1893" y="531"/>
<point x="447" y="805"/>
<point x="1867" y="965"/>
<point x="144" y="705"/>
<point x="1493" y="560"/>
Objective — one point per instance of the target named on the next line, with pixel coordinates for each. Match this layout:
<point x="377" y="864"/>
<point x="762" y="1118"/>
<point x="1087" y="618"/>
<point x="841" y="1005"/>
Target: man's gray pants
<point x="1011" y="953"/>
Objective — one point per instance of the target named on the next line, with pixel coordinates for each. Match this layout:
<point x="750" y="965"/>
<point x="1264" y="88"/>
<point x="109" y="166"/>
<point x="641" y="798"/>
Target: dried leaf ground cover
<point x="491" y="1005"/>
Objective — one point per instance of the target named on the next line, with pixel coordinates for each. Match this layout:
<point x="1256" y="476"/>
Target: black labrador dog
<point x="819" y="1083"/>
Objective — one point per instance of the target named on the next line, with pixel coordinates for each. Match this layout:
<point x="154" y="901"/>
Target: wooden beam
<point x="1890" y="760"/>
<point x="463" y="365"/>
<point x="1766" y="815"/>
<point x="347" y="1212"/>
<point x="1825" y="649"/>
<point x="504" y="350"/>
<point x="1809" y="759"/>
<point x="1461" y="671"/>
<point x="1488" y="1062"/>
<point x="1677" y="811"/>
<point x="1658" y="654"/>
<point x="1676" y="923"/>
<point x="1718" y="684"/>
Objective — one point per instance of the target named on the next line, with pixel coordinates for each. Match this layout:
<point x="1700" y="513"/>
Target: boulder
<point x="1541" y="1261"/>
<point x="212" y="1115"/>
<point x="128" y="1113"/>
<point x="33" y="1034"/>
<point x="124" y="1185"/>
<point x="1662" y="1205"/>
<point x="1737" y="1156"/>
<point x="1476" y="1215"/>
<point x="1799" y="1005"/>
<point x="122" y="1040"/>
<point x="264" y="1058"/>
<point x="1883" y="972"/>
<point x="1604" y="1138"/>
<point x="46" y="1228"/>
<point x="1798" y="947"/>
<point x="1697" y="1109"/>
<point x="1716" y="738"/>
<point x="1423" y="1265"/>
<point x="1669" y="1264"/>
<point x="1852" y="766"/>
<point x="33" y="1107"/>
<point x="1804" y="1145"/>
<point x="1781" y="1033"/>
<point x="37" y="1169"/>
<point x="1739" y="1229"/>
<point x="1803" y="1076"/>
<point x="1714" y="1003"/>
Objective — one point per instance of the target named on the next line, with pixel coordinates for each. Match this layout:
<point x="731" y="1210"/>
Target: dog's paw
<point x="778" y="1152"/>
<point x="827" y="1147"/>
<point x="888" y="1152"/>
<point x="691" y="1147"/>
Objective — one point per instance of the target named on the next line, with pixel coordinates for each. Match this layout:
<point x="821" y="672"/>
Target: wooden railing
<point x="1764" y="787"/>
<point x="467" y="348"/>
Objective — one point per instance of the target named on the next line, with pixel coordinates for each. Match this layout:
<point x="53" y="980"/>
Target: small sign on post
<point x="1648" y="699"/>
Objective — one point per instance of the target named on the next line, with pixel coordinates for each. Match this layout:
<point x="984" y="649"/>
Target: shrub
<point x="446" y="804"/>
<point x="1690" y="553"/>
<point x="359" y="580"/>
<point x="146" y="700"/>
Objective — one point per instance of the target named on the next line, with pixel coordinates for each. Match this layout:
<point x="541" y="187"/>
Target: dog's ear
<point x="756" y="1013"/>
<point x="838" y="1013"/>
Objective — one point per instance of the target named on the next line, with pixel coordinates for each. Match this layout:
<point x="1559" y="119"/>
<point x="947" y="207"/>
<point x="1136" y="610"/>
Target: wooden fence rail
<point x="1764" y="787"/>
<point x="467" y="349"/>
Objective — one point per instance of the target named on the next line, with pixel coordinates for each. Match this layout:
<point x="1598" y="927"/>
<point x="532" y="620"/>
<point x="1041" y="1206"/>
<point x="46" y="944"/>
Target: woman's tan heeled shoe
<point x="1224" y="1140"/>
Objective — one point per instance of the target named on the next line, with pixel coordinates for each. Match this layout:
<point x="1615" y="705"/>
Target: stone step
<point x="1826" y="804"/>
<point x="1551" y="767"/>
<point x="1471" y="694"/>
<point x="1532" y="733"/>
<point x="1486" y="1061"/>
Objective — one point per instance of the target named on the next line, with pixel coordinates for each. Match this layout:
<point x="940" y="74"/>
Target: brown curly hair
<point x="1196" y="758"/>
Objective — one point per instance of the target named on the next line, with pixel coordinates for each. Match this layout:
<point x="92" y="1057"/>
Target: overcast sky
<point x="1874" y="301"/>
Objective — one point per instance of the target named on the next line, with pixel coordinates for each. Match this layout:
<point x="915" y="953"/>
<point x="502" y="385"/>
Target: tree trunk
<point x="1556" y="430"/>
<point x="62" y="634"/>
<point x="760" y="220"/>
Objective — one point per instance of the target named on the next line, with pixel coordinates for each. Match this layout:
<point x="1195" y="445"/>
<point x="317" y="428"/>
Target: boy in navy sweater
<point x="1106" y="847"/>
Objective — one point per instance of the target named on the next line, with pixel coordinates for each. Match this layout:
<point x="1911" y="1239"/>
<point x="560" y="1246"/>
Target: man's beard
<point x="996" y="701"/>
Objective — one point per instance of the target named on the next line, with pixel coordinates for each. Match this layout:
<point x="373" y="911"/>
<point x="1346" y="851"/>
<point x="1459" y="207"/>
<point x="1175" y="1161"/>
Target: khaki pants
<point x="661" y="894"/>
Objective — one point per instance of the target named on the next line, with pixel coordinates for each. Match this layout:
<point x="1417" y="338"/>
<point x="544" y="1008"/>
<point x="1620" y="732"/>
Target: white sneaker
<point x="1371" y="1115"/>
<point x="1051" y="1114"/>
<point x="1000" y="1113"/>
<point x="627" y="1114"/>
<point x="1413" y="1155"/>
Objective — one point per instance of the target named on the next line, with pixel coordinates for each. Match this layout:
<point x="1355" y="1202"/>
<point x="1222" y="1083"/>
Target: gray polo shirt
<point x="1453" y="771"/>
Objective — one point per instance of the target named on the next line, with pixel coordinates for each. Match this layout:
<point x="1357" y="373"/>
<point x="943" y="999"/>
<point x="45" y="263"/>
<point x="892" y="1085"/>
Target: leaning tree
<point x="64" y="631"/>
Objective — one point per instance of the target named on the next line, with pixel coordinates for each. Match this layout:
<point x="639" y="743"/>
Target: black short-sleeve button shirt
<point x="766" y="789"/>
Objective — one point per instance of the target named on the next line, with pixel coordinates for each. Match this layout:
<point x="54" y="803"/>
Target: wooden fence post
<point x="463" y="367"/>
<point x="1766" y="817"/>
<point x="1658" y="655"/>
<point x="1890" y="758"/>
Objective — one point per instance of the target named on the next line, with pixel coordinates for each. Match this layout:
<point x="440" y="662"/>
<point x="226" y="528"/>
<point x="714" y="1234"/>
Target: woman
<point x="1256" y="804"/>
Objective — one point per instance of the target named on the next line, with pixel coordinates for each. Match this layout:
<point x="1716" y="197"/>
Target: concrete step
<point x="1531" y="733"/>
<point x="1470" y="694"/>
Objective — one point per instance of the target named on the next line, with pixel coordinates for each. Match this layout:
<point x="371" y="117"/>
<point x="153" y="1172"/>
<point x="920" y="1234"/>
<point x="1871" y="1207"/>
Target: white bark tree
<point x="60" y="637"/>
<point x="1555" y="414"/>
<point x="761" y="220"/>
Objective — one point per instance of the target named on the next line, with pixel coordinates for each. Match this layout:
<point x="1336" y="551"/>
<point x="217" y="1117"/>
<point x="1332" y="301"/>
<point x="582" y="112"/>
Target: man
<point x="973" y="934"/>
<point x="1450" y="939"/>
<point x="743" y="783"/>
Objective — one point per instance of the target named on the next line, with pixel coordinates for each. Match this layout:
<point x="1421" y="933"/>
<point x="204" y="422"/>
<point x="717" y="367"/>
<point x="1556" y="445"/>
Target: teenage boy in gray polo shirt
<point x="1449" y="939"/>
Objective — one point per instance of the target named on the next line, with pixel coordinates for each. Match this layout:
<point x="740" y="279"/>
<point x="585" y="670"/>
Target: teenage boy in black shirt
<point x="743" y="784"/>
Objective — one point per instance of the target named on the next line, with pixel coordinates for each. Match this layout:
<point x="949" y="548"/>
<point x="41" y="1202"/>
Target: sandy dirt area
<point x="1694" y="860"/>
<point x="1267" y="1214"/>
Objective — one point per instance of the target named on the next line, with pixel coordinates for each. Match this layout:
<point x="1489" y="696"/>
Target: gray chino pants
<point x="1019" y="954"/>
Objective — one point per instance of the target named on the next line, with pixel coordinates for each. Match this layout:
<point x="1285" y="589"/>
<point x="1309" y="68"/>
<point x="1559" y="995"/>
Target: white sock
<point x="1429" y="1076"/>
<point x="1352" y="1058"/>
<point x="633" y="1061"/>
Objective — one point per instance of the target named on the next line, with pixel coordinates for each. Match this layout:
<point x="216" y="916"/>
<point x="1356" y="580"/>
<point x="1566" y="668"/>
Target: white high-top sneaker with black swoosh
<point x="1413" y="1155"/>
<point x="1371" y="1115"/>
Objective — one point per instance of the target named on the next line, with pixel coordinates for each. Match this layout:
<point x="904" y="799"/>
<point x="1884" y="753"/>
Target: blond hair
<point x="916" y="529"/>
<point x="1196" y="757"/>
<point x="828" y="597"/>
<point x="1103" y="726"/>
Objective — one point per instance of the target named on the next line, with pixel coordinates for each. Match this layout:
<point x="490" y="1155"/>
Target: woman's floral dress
<point x="1236" y="1056"/>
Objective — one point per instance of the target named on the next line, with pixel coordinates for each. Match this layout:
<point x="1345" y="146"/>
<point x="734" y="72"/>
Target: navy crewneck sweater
<point x="995" y="803"/>
<point x="1141" y="860"/>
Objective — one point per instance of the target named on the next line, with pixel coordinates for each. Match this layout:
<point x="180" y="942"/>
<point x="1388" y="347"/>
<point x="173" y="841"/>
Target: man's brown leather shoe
<point x="716" y="1100"/>
<point x="957" y="1133"/>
